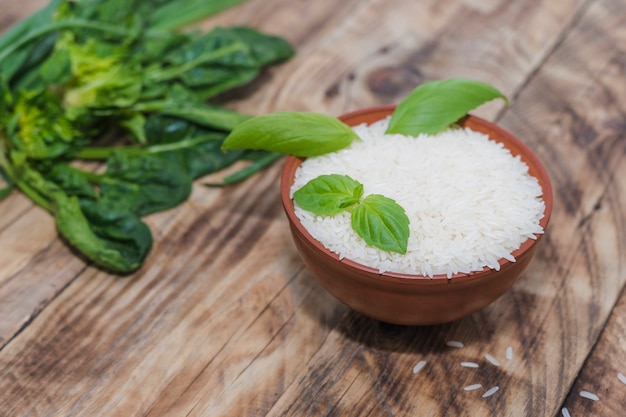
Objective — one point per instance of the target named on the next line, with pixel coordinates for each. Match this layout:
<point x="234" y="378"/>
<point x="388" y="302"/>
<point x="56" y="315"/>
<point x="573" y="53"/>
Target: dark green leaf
<point x="221" y="59"/>
<point x="72" y="180"/>
<point x="434" y="106"/>
<point x="382" y="223"/>
<point x="200" y="148"/>
<point x="301" y="134"/>
<point x="329" y="194"/>
<point x="118" y="241"/>
<point x="144" y="184"/>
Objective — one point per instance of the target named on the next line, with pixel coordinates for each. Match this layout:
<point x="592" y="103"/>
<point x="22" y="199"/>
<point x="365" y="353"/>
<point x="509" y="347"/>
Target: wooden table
<point x="223" y="319"/>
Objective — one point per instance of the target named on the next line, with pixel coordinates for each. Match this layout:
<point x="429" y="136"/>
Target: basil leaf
<point x="296" y="133"/>
<point x="381" y="222"/>
<point x="329" y="194"/>
<point x="434" y="106"/>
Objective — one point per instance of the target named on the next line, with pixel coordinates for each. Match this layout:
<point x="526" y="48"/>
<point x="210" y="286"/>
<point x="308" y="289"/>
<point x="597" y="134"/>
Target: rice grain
<point x="589" y="395"/>
<point x="455" y="344"/>
<point x="509" y="353"/>
<point x="621" y="377"/>
<point x="469" y="364"/>
<point x="565" y="412"/>
<point x="491" y="391"/>
<point x="472" y="387"/>
<point x="420" y="365"/>
<point x="491" y="359"/>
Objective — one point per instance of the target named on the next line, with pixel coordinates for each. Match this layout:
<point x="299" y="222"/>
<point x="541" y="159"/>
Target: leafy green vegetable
<point x="329" y="194"/>
<point x="77" y="73"/>
<point x="381" y="222"/>
<point x="378" y="220"/>
<point x="296" y="133"/>
<point x="434" y="106"/>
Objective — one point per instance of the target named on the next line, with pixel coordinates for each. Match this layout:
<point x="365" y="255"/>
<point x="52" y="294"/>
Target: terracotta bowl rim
<point x="286" y="181"/>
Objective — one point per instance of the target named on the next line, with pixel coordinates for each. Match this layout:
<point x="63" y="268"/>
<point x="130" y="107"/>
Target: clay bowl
<point x="413" y="299"/>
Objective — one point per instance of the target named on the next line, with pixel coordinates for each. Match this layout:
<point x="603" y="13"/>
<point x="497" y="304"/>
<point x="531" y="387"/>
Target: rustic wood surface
<point x="223" y="319"/>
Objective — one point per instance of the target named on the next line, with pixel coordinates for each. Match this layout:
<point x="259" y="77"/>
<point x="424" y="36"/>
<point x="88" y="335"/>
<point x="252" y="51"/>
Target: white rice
<point x="472" y="387"/>
<point x="469" y="364"/>
<point x="491" y="391"/>
<point x="455" y="344"/>
<point x="565" y="412"/>
<point x="621" y="377"/>
<point x="589" y="395"/>
<point x="469" y="201"/>
<point x="420" y="365"/>
<point x="491" y="359"/>
<point x="509" y="353"/>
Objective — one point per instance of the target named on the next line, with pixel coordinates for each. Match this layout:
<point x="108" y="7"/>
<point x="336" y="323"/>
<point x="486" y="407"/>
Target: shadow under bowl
<point x="414" y="299"/>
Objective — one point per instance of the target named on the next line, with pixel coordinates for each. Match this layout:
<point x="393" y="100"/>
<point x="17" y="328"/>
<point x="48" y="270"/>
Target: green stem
<point x="159" y="75"/>
<point x="31" y="192"/>
<point x="248" y="171"/>
<point x="100" y="153"/>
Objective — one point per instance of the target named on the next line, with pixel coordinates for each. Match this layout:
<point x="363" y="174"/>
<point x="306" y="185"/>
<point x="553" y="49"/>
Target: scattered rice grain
<point x="509" y="353"/>
<point x="621" y="377"/>
<point x="493" y="360"/>
<point x="469" y="364"/>
<point x="454" y="343"/>
<point x="419" y="366"/>
<point x="491" y="391"/>
<point x="472" y="387"/>
<point x="589" y="395"/>
<point x="565" y="412"/>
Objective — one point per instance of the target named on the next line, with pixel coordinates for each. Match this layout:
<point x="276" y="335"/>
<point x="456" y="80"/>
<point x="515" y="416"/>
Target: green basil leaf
<point x="382" y="223"/>
<point x="329" y="194"/>
<point x="297" y="133"/>
<point x="434" y="106"/>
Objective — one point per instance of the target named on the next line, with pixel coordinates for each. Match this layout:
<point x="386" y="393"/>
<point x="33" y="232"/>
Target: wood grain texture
<point x="600" y="374"/>
<point x="223" y="319"/>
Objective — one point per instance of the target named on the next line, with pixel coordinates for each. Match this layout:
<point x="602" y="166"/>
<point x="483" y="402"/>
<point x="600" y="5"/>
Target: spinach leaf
<point x="77" y="71"/>
<point x="115" y="240"/>
<point x="111" y="237"/>
<point x="381" y="222"/>
<point x="301" y="134"/>
<point x="145" y="184"/>
<point x="435" y="105"/>
<point x="73" y="181"/>
<point x="329" y="194"/>
<point x="200" y="147"/>
<point x="219" y="60"/>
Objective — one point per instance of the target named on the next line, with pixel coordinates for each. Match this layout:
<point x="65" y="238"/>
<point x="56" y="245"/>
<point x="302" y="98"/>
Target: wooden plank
<point x="602" y="370"/>
<point x="223" y="320"/>
<point x="355" y="54"/>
